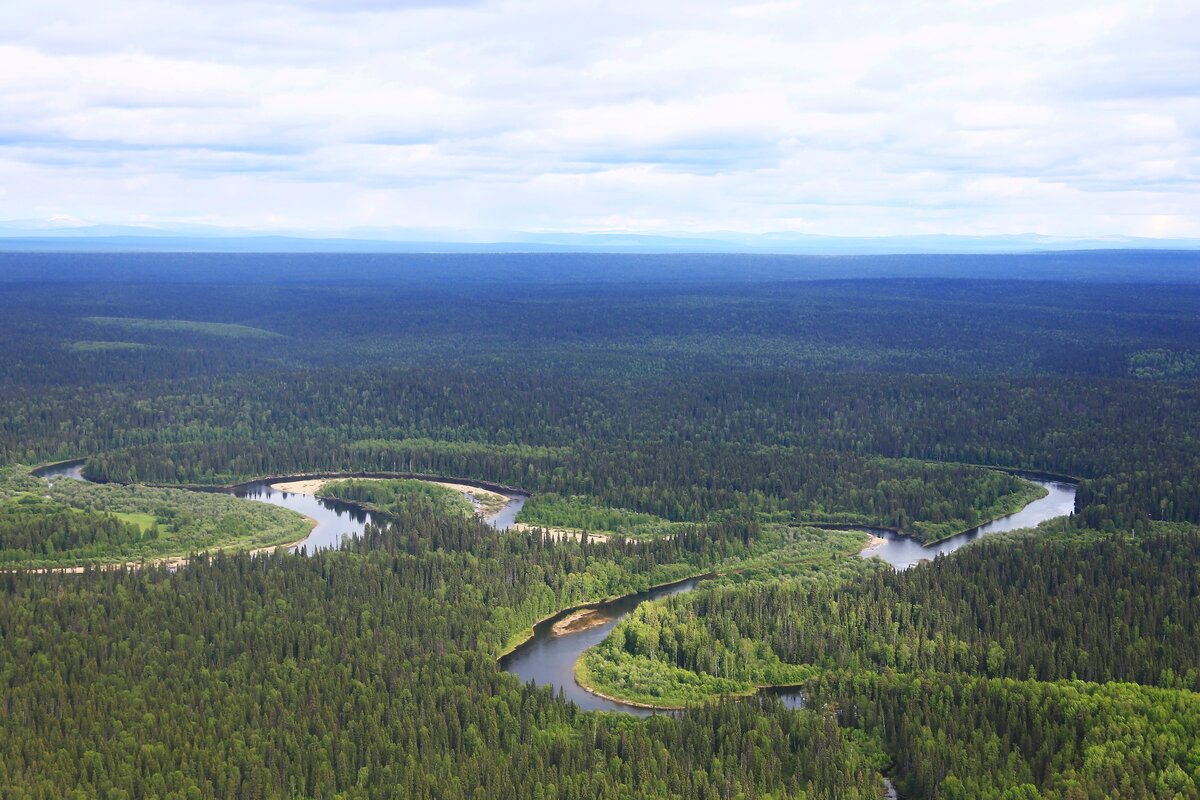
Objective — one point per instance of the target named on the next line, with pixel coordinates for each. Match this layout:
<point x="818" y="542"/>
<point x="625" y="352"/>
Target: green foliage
<point x="554" y="511"/>
<point x="1162" y="364"/>
<point x="67" y="523"/>
<point x="391" y="495"/>
<point x="1100" y="609"/>
<point x="966" y="667"/>
<point x="651" y="682"/>
<point x="958" y="736"/>
<point x="562" y="392"/>
<point x="651" y="656"/>
<point x="365" y="673"/>
<point x="40" y="531"/>
<point x="426" y="451"/>
<point x="722" y="413"/>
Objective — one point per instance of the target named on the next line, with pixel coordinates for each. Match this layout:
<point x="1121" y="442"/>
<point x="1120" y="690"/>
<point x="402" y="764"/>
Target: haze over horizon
<point x="478" y="121"/>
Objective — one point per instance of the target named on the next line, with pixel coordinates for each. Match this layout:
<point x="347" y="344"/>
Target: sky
<point x="474" y="120"/>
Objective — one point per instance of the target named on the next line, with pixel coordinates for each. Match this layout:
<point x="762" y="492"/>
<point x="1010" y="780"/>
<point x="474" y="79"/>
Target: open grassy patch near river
<point x="69" y="523"/>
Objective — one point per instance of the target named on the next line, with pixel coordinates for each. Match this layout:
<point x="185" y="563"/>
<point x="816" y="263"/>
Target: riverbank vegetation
<point x="67" y="523"/>
<point x="795" y="395"/>
<point x="706" y="422"/>
<point x="390" y="495"/>
<point x="1105" y="609"/>
<point x="647" y="492"/>
<point x="352" y="667"/>
<point x="578" y="513"/>
<point x="1021" y="629"/>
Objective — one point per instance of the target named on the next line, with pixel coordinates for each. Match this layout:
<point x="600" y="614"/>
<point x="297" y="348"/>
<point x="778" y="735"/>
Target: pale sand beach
<point x="873" y="542"/>
<point x="579" y="621"/>
<point x="486" y="502"/>
<point x="558" y="533"/>
<point x="310" y="486"/>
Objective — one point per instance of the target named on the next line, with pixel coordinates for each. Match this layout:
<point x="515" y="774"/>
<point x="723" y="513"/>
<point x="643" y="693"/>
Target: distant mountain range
<point x="57" y="237"/>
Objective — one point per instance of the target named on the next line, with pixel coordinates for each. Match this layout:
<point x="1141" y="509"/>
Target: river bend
<point x="549" y="659"/>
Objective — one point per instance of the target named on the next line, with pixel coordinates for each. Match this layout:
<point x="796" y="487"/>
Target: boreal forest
<point x="529" y="446"/>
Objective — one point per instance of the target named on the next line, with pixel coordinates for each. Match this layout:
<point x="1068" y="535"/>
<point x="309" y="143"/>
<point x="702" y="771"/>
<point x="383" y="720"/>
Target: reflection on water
<point x="67" y="469"/>
<point x="334" y="519"/>
<point x="549" y="660"/>
<point x="902" y="552"/>
<point x="507" y="516"/>
<point x="791" y="696"/>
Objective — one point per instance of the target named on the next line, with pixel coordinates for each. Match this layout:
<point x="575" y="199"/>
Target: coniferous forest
<point x="739" y="421"/>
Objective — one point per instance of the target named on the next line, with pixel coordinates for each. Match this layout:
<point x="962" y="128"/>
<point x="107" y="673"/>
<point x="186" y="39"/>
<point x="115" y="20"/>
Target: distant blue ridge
<point x="85" y="261"/>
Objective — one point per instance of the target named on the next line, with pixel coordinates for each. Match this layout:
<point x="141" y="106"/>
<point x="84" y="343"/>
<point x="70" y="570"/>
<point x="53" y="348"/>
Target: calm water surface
<point x="548" y="659"/>
<point x="335" y="520"/>
<point x="902" y="552"/>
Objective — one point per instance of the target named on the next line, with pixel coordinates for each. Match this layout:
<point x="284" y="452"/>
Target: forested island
<point x="159" y="639"/>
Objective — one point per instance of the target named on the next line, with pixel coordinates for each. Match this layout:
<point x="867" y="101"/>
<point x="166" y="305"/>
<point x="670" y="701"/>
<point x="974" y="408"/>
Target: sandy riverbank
<point x="580" y="621"/>
<point x="558" y="533"/>
<point x="486" y="502"/>
<point x="301" y="487"/>
<point x="873" y="541"/>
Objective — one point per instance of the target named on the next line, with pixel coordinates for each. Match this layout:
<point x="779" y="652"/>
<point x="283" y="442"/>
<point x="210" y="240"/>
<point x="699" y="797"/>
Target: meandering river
<point x="549" y="659"/>
<point x="334" y="520"/>
<point x="337" y="520"/>
<point x="902" y="552"/>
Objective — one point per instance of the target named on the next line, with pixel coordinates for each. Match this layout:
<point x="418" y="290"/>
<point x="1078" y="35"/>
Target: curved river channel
<point x="549" y="659"/>
<point x="334" y="519"/>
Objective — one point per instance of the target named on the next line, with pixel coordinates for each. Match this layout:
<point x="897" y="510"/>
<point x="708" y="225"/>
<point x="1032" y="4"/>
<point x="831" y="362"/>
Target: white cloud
<point x="857" y="119"/>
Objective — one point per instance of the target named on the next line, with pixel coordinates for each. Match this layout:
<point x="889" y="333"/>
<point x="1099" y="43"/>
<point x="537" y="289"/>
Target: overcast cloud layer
<point x="890" y="118"/>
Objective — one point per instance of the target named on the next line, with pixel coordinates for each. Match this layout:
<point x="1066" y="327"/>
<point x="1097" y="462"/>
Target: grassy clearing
<point x="103" y="347"/>
<point x="143" y="520"/>
<point x="226" y="330"/>
<point x="68" y="523"/>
